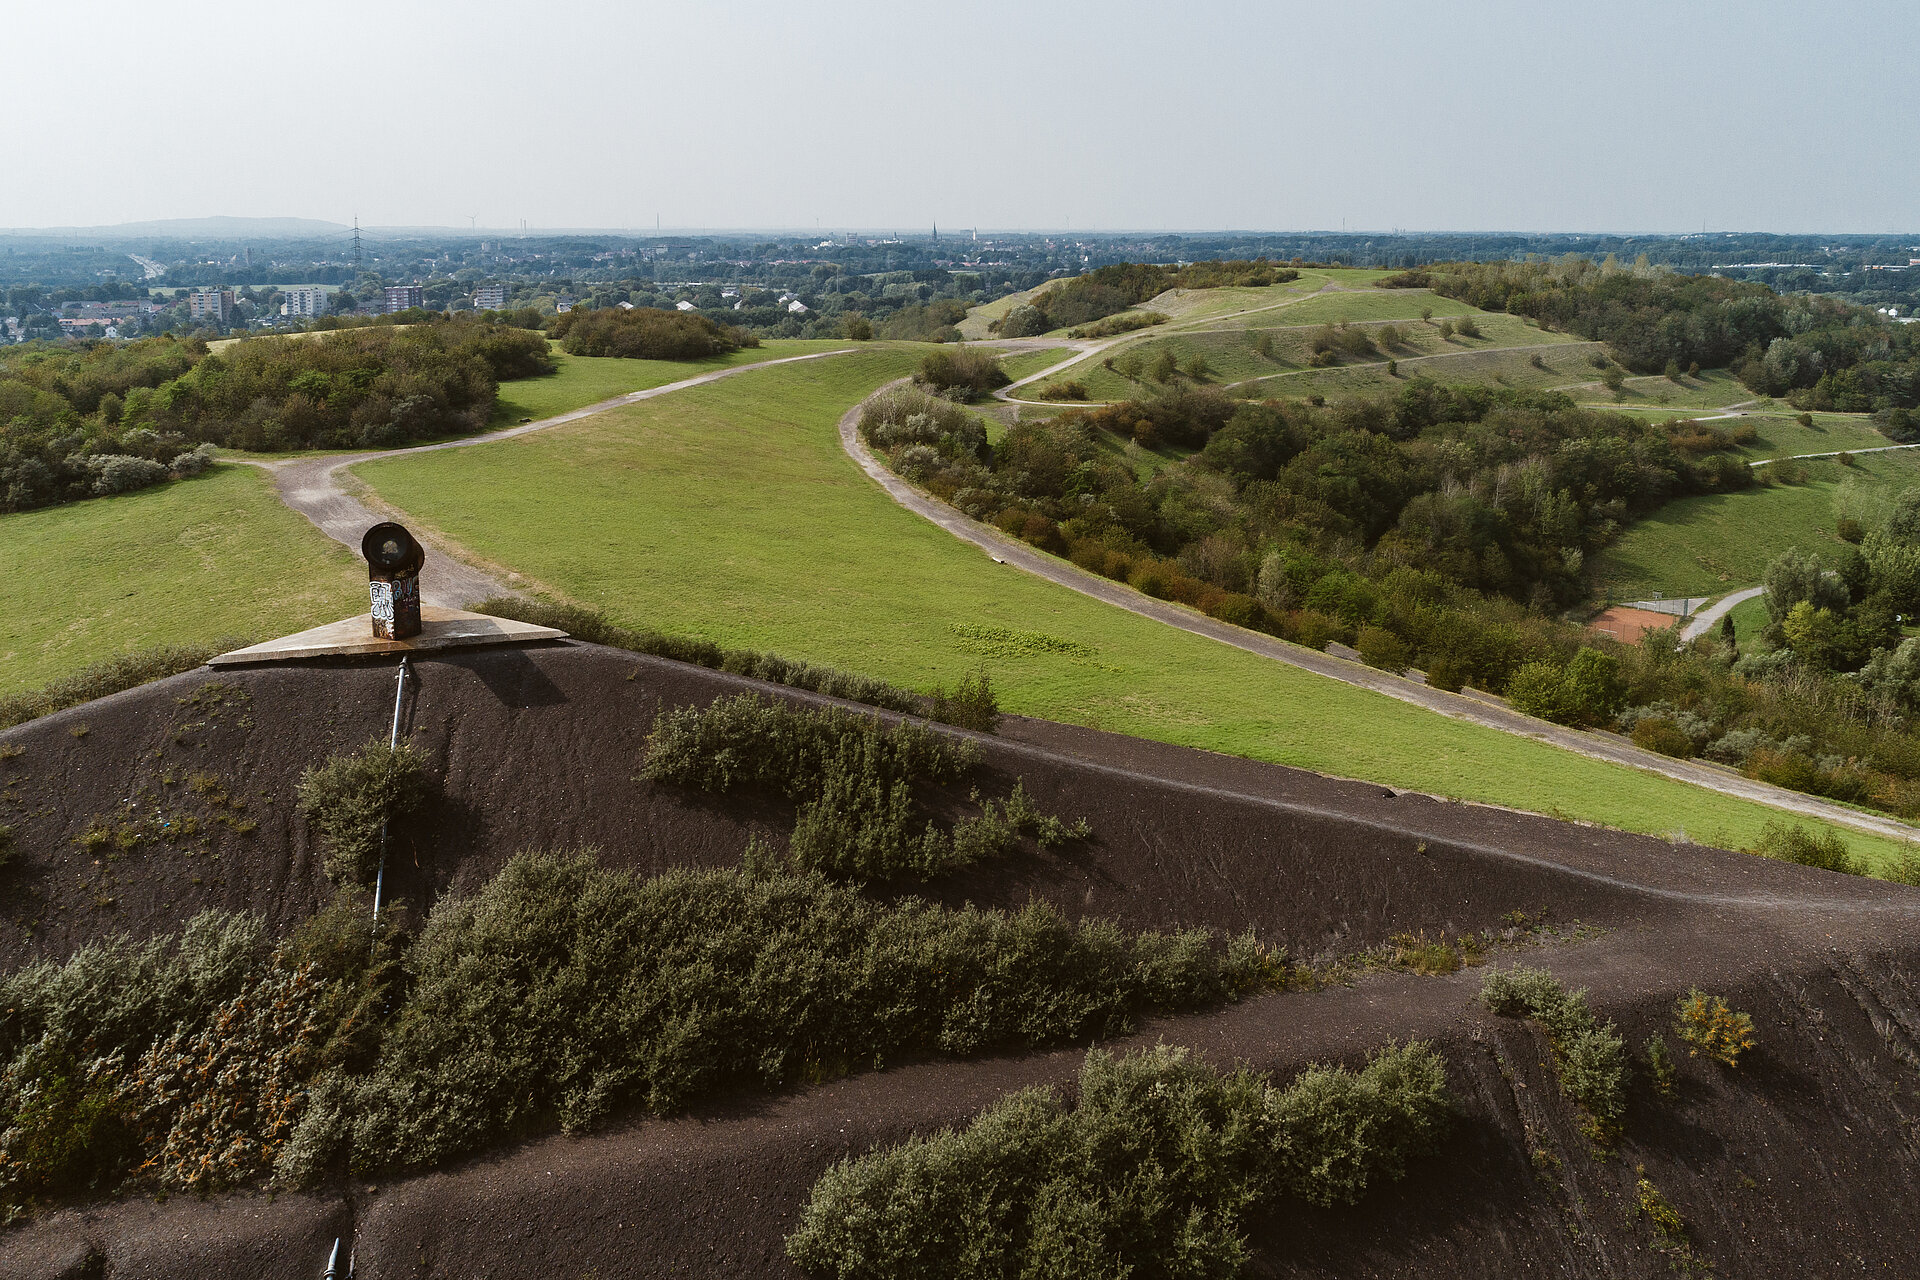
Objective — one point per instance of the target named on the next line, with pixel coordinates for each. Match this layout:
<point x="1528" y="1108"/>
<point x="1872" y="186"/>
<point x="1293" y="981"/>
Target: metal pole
<point x="333" y="1262"/>
<point x="393" y="743"/>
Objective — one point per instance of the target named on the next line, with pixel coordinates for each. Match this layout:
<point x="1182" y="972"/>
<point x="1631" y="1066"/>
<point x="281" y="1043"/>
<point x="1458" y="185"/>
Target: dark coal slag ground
<point x="1798" y="1163"/>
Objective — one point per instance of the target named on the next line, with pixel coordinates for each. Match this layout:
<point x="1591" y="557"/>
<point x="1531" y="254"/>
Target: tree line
<point x="83" y="420"/>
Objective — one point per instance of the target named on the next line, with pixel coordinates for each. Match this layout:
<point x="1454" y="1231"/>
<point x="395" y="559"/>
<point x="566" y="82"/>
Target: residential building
<point x="402" y="296"/>
<point x="490" y="297"/>
<point x="308" y="301"/>
<point x="210" y="304"/>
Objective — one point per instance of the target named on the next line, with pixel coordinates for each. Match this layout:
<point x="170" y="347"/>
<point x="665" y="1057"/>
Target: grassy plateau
<point x="731" y="512"/>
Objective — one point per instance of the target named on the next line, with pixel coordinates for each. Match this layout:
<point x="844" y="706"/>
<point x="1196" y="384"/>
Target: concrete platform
<point x="353" y="637"/>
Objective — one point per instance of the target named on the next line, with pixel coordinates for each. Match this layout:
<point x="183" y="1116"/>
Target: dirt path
<point x="312" y="487"/>
<point x="1614" y="750"/>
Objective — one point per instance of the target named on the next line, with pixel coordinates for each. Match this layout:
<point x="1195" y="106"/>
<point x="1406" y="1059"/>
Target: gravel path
<point x="1608" y="747"/>
<point x="311" y="486"/>
<point x="1701" y="622"/>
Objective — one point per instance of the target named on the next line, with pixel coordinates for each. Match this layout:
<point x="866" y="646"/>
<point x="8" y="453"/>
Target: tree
<point x="1165" y="365"/>
<point x="1729" y="637"/>
<point x="856" y="327"/>
<point x="1813" y="634"/>
<point x="1904" y="524"/>
<point x="1794" y="577"/>
<point x="1197" y="367"/>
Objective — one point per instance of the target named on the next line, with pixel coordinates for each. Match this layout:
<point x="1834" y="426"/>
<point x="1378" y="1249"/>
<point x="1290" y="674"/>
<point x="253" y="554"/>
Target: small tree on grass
<point x="349" y="800"/>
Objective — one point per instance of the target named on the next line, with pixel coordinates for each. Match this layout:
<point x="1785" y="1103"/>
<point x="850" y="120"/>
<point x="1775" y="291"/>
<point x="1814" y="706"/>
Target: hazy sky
<point x="1662" y="116"/>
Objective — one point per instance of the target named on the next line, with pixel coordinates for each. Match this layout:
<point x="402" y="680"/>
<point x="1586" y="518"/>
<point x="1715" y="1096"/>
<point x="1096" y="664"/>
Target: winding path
<point x="1492" y="715"/>
<point x="311" y="486"/>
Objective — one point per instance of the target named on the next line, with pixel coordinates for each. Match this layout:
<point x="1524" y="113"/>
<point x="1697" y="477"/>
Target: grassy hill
<point x="731" y="512"/>
<point x="1716" y="543"/>
<point x="583" y="380"/>
<point x="179" y="563"/>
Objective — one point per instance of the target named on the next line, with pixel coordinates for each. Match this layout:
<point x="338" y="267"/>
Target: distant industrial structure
<point x="490" y="297"/>
<point x="306" y="301"/>
<point x="210" y="304"/>
<point x="402" y="296"/>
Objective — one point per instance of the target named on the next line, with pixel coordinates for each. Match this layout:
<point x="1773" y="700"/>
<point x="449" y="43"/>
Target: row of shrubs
<point x="559" y="993"/>
<point x="853" y="778"/>
<point x="971" y="704"/>
<point x="1150" y="1171"/>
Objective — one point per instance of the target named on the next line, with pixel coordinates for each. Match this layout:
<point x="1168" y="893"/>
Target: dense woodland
<point x="1445" y="529"/>
<point x="98" y="418"/>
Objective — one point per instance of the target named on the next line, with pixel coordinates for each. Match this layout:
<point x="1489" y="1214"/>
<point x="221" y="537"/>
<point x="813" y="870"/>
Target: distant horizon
<point x="296" y="224"/>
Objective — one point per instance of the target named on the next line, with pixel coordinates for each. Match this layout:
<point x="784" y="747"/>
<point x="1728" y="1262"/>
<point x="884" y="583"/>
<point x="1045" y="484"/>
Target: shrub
<point x="1064" y="391"/>
<point x="111" y="676"/>
<point x="1791" y="842"/>
<point x="906" y="416"/>
<point x="9" y="848"/>
<point x="1850" y="530"/>
<point x="1655" y="733"/>
<point x="1381" y="648"/>
<point x="851" y="776"/>
<point x="1711" y="1029"/>
<point x="662" y="991"/>
<point x="971" y="705"/>
<point x="1660" y="1065"/>
<point x="1585" y="693"/>
<point x="646" y="333"/>
<point x="1590" y="1056"/>
<point x="118" y="473"/>
<point x="1446" y="673"/>
<point x="1156" y="1162"/>
<point x="350" y="800"/>
<point x="962" y="372"/>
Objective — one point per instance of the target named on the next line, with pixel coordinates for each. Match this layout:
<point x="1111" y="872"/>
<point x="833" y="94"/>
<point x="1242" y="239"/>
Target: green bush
<point x="1656" y="733"/>
<point x="1447" y="674"/>
<point x="965" y="373"/>
<point x="350" y="800"/>
<point x="1791" y="842"/>
<point x="852" y="777"/>
<point x="1381" y="648"/>
<point x="111" y="676"/>
<point x="646" y="333"/>
<point x="1590" y="1056"/>
<point x="1584" y="693"/>
<point x="1149" y="1172"/>
<point x="971" y="705"/>
<point x="562" y="991"/>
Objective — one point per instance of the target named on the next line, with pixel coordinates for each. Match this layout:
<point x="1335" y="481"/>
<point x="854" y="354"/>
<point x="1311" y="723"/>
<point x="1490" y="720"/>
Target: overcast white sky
<point x="1549" y="116"/>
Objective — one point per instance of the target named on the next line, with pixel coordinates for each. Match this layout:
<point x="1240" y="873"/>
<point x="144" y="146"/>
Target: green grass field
<point x="1021" y="363"/>
<point x="583" y="380"/>
<point x="731" y="512"/>
<point x="1709" y="389"/>
<point x="1710" y="545"/>
<point x="184" y="562"/>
